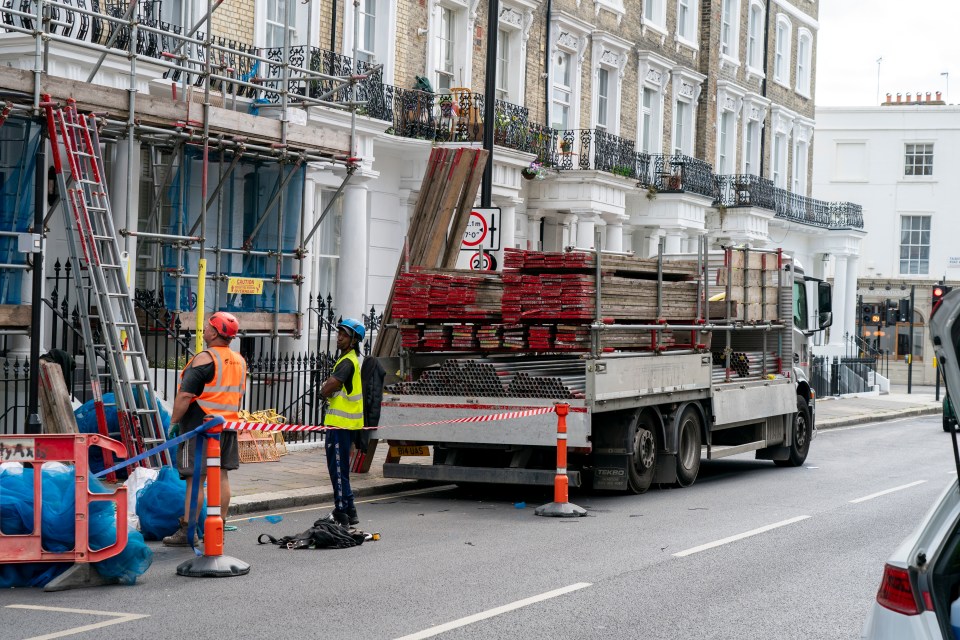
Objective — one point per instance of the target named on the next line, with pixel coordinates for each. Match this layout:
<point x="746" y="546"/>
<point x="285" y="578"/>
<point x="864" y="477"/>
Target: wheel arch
<point x="671" y="439"/>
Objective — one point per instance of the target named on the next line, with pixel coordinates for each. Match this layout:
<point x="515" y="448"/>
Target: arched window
<point x="804" y="61"/>
<point x="781" y="58"/>
<point x="755" y="37"/>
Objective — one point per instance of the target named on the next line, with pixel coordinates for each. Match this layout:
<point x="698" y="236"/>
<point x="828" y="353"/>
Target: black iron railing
<point x="14" y="388"/>
<point x="676" y="173"/>
<point x="743" y="190"/>
<point x="598" y="150"/>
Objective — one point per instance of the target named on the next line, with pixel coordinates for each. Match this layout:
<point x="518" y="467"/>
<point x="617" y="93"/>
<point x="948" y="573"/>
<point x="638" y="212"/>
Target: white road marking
<point x="402" y="494"/>
<point x="886" y="491"/>
<point x="739" y="536"/>
<point x="462" y="622"/>
<point x="117" y="619"/>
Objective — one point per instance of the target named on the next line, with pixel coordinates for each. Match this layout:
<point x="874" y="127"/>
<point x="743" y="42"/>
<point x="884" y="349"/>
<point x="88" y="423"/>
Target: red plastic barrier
<point x="70" y="449"/>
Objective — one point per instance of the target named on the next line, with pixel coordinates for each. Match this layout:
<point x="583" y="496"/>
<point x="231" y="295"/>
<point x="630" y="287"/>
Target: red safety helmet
<point x="225" y="324"/>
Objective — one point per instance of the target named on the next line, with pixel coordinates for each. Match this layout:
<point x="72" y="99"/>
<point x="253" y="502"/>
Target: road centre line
<point x="886" y="491"/>
<point x="462" y="622"/>
<point x="739" y="536"/>
<point x="401" y="494"/>
<point x="117" y="619"/>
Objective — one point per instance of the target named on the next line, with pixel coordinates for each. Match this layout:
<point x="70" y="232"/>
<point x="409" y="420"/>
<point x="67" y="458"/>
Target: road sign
<point x="483" y="261"/>
<point x="483" y="230"/>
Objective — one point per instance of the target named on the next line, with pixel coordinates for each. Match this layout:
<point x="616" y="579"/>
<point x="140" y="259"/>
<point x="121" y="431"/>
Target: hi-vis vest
<point x="346" y="411"/>
<point x="222" y="396"/>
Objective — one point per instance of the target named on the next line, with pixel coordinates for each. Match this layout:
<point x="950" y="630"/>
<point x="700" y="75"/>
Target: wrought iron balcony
<point x="598" y="150"/>
<point x="753" y="191"/>
<point x="678" y="173"/>
<point x="456" y="117"/>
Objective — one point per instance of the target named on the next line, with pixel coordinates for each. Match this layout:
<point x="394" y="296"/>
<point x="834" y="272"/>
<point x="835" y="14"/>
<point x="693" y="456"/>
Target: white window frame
<point x="260" y="31"/>
<point x="516" y="18"/>
<point x="610" y="54"/>
<point x="654" y="73"/>
<point x="802" y="137"/>
<point x="385" y="43"/>
<point x="923" y="175"/>
<point x="729" y="108"/>
<point x="687" y="30"/>
<point x="782" y="125"/>
<point x="730" y="31"/>
<point x="915" y="240"/>
<point x="782" y="53"/>
<point x="655" y="15"/>
<point x="569" y="36"/>
<point x="602" y="92"/>
<point x="687" y="85"/>
<point x="804" y="61"/>
<point x="754" y="52"/>
<point x="754" y="119"/>
<point x="462" y="73"/>
<point x="503" y="58"/>
<point x="557" y="86"/>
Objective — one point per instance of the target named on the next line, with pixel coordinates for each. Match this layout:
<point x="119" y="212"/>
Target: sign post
<point x="481" y="240"/>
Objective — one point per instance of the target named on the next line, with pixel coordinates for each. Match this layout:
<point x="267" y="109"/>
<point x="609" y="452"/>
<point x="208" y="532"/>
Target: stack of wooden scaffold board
<point x="750" y="281"/>
<point x="545" y="302"/>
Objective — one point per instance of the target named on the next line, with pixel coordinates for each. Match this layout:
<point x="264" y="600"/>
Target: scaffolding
<point x="182" y="233"/>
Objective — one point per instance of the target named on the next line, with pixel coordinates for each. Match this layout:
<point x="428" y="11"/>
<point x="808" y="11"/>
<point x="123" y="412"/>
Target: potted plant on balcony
<point x="534" y="172"/>
<point x="565" y="146"/>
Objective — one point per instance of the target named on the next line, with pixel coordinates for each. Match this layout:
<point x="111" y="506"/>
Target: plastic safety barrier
<point x="70" y="449"/>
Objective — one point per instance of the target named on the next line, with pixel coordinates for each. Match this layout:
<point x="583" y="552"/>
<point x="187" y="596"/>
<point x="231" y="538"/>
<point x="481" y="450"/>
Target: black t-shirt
<point x="194" y="380"/>
<point x="344" y="373"/>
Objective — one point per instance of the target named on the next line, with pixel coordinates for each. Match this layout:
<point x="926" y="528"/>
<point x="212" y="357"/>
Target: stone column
<point x="653" y="242"/>
<point x="850" y="304"/>
<point x="674" y="241"/>
<point x="350" y="298"/>
<point x="586" y="223"/>
<point x="840" y="296"/>
<point x="534" y="218"/>
<point x="508" y="226"/>
<point x="566" y="221"/>
<point x="614" y="239"/>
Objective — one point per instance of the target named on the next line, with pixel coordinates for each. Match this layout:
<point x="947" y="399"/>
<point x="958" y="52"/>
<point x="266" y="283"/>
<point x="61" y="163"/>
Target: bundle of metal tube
<point x="559" y="379"/>
<point x="743" y="364"/>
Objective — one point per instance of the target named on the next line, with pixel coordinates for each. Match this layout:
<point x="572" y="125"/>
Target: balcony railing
<point x="753" y="191"/>
<point x="598" y="150"/>
<point x="678" y="173"/>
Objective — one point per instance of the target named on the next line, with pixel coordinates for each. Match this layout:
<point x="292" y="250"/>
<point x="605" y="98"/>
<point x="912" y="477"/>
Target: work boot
<point x="335" y="517"/>
<point x="352" y="515"/>
<point x="179" y="537"/>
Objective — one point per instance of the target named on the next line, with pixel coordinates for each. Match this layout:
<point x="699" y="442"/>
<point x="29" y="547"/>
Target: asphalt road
<point x="674" y="563"/>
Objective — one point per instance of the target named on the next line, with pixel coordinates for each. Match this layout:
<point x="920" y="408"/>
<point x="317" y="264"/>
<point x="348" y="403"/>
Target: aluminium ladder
<point x="89" y="224"/>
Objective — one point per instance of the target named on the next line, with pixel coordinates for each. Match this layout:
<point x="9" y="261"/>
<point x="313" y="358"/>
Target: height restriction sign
<point x="483" y="231"/>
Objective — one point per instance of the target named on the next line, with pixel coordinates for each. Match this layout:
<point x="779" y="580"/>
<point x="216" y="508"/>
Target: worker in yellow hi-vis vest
<point x="345" y="415"/>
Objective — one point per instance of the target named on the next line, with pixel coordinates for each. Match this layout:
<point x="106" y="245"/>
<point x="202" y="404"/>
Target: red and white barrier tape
<point x="267" y="426"/>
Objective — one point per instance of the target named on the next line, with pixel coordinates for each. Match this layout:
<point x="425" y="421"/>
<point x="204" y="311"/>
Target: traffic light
<point x="903" y="311"/>
<point x="937" y="293"/>
<point x="866" y="315"/>
<point x="890" y="313"/>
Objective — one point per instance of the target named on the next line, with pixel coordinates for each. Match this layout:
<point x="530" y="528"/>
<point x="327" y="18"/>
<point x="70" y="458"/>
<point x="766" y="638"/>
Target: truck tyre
<point x="802" y="432"/>
<point x="643" y="455"/>
<point x="947" y="424"/>
<point x="689" y="442"/>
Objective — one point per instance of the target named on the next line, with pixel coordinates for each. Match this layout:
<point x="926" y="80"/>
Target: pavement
<point x="300" y="477"/>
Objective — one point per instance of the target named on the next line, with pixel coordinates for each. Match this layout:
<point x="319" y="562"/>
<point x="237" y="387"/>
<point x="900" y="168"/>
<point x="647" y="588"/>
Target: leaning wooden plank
<point x="57" y="412"/>
<point x="464" y="208"/>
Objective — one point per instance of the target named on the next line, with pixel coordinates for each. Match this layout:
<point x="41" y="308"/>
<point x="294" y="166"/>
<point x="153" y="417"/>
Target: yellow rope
<point x="266" y="415"/>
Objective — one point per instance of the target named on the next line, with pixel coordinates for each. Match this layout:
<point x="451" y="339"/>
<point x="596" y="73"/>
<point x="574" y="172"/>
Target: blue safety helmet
<point x="354" y="327"/>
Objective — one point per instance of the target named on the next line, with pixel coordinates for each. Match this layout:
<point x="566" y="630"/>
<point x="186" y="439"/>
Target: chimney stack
<point x="888" y="98"/>
<point x="899" y="97"/>
<point x="939" y="98"/>
<point x="909" y="97"/>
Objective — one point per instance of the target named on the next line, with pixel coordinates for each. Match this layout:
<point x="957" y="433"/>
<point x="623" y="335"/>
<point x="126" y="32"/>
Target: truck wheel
<point x="802" y="433"/>
<point x="643" y="457"/>
<point x="689" y="441"/>
<point x="947" y="424"/>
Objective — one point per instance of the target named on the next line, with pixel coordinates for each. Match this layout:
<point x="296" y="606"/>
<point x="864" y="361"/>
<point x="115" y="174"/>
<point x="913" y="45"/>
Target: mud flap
<point x="610" y="472"/>
<point x="774" y="453"/>
<point x="666" y="468"/>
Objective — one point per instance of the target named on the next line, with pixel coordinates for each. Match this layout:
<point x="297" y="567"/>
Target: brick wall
<point x="234" y="20"/>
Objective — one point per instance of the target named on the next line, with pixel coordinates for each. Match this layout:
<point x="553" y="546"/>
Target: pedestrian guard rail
<point x="73" y="450"/>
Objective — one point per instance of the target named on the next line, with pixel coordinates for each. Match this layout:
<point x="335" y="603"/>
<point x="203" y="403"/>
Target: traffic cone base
<point x="560" y="510"/>
<point x="213" y="567"/>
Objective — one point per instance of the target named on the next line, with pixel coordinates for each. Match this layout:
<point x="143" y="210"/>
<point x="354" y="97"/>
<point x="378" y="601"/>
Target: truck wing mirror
<point x="824" y="304"/>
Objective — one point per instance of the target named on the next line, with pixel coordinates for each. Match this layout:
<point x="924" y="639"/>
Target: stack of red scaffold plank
<point x="545" y="302"/>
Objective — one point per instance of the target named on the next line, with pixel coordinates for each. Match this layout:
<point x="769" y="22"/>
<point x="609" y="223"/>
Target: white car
<point x="922" y="578"/>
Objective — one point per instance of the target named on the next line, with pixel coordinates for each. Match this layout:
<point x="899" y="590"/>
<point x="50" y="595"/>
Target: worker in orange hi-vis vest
<point x="212" y="384"/>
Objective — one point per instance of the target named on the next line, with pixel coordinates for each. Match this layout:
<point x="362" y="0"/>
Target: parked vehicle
<point x="639" y="416"/>
<point x="921" y="580"/>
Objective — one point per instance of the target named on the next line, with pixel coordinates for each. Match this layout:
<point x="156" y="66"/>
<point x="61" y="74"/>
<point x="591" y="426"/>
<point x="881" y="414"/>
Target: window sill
<point x="917" y="180"/>
<point x="783" y="83"/>
<point x="754" y="72"/>
<point x="729" y="61"/>
<point x="687" y="44"/>
<point x="660" y="29"/>
<point x="803" y="93"/>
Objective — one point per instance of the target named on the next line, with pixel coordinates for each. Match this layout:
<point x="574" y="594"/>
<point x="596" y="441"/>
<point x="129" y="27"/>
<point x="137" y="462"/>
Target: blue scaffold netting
<point x="86" y="415"/>
<point x="160" y="504"/>
<point x="57" y="527"/>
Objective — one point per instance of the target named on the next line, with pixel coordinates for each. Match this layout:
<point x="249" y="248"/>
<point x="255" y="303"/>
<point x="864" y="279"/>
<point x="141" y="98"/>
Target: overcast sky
<point x="918" y="40"/>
